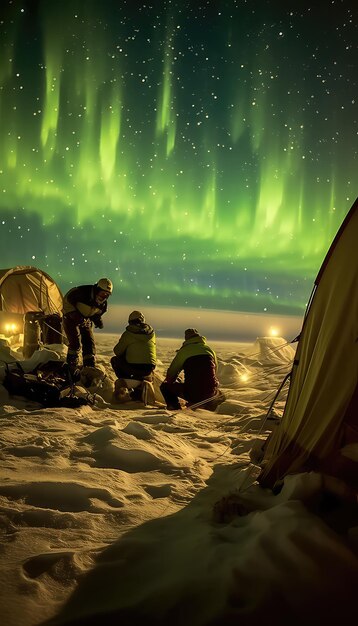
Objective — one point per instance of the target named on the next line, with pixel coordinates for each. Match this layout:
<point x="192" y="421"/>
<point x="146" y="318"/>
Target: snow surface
<point x="124" y="514"/>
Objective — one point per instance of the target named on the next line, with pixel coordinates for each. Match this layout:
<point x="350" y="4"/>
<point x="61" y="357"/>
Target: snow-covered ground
<point x="114" y="514"/>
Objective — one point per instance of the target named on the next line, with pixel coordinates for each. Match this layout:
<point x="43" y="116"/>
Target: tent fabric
<point x="325" y="370"/>
<point x="272" y="351"/>
<point x="25" y="288"/>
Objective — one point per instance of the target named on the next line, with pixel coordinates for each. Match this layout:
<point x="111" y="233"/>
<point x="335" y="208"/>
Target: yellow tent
<point x="25" y="288"/>
<point x="30" y="300"/>
<point x="321" y="413"/>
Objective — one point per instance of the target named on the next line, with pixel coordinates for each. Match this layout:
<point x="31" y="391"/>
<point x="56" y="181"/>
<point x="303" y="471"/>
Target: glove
<point x="98" y="322"/>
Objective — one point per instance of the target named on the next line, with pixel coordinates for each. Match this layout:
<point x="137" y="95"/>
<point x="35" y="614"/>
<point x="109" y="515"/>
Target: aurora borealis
<point x="198" y="153"/>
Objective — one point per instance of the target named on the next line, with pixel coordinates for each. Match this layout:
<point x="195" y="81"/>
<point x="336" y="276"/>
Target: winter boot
<point x="73" y="367"/>
<point x="72" y="360"/>
<point x="89" y="360"/>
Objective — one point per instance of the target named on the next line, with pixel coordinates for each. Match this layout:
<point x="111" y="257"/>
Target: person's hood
<point x="196" y="339"/>
<point x="140" y="329"/>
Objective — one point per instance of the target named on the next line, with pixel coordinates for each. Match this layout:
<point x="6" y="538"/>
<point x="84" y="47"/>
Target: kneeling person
<point x="135" y="353"/>
<point x="199" y="363"/>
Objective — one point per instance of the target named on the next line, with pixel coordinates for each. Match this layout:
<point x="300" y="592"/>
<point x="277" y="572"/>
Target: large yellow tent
<point x="319" y="427"/>
<point x="25" y="288"/>
<point x="30" y="302"/>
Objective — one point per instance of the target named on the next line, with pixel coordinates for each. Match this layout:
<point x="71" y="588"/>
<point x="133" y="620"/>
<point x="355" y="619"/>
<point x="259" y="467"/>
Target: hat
<point x="190" y="333"/>
<point x="136" y="316"/>
<point x="105" y="285"/>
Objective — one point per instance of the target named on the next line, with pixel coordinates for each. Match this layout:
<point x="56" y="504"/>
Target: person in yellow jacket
<point x="83" y="308"/>
<point x="198" y="360"/>
<point x="135" y="353"/>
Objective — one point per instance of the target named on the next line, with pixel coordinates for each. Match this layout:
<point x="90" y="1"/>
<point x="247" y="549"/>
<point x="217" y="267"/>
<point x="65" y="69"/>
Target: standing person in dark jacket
<point x="135" y="351"/>
<point x="83" y="308"/>
<point x="199" y="363"/>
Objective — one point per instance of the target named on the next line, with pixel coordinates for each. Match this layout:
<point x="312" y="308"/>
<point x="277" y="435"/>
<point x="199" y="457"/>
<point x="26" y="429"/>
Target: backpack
<point x="51" y="388"/>
<point x="30" y="386"/>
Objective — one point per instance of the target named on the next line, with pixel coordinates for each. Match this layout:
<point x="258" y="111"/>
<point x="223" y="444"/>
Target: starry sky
<point x="200" y="153"/>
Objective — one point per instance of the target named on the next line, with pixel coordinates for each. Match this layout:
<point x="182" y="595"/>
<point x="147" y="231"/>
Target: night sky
<point x="198" y="153"/>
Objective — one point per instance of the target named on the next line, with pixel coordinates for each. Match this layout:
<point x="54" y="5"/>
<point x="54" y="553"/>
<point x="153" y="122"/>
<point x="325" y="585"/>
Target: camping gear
<point x="31" y="292"/>
<point x="32" y="333"/>
<point x="321" y="411"/>
<point x="127" y="389"/>
<point x="51" y="385"/>
<point x="30" y="386"/>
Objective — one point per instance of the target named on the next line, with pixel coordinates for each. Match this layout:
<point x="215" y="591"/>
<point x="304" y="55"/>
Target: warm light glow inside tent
<point x="28" y="293"/>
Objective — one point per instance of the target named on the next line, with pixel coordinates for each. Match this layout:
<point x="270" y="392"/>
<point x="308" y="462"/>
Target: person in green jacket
<point x="135" y="353"/>
<point x="198" y="360"/>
